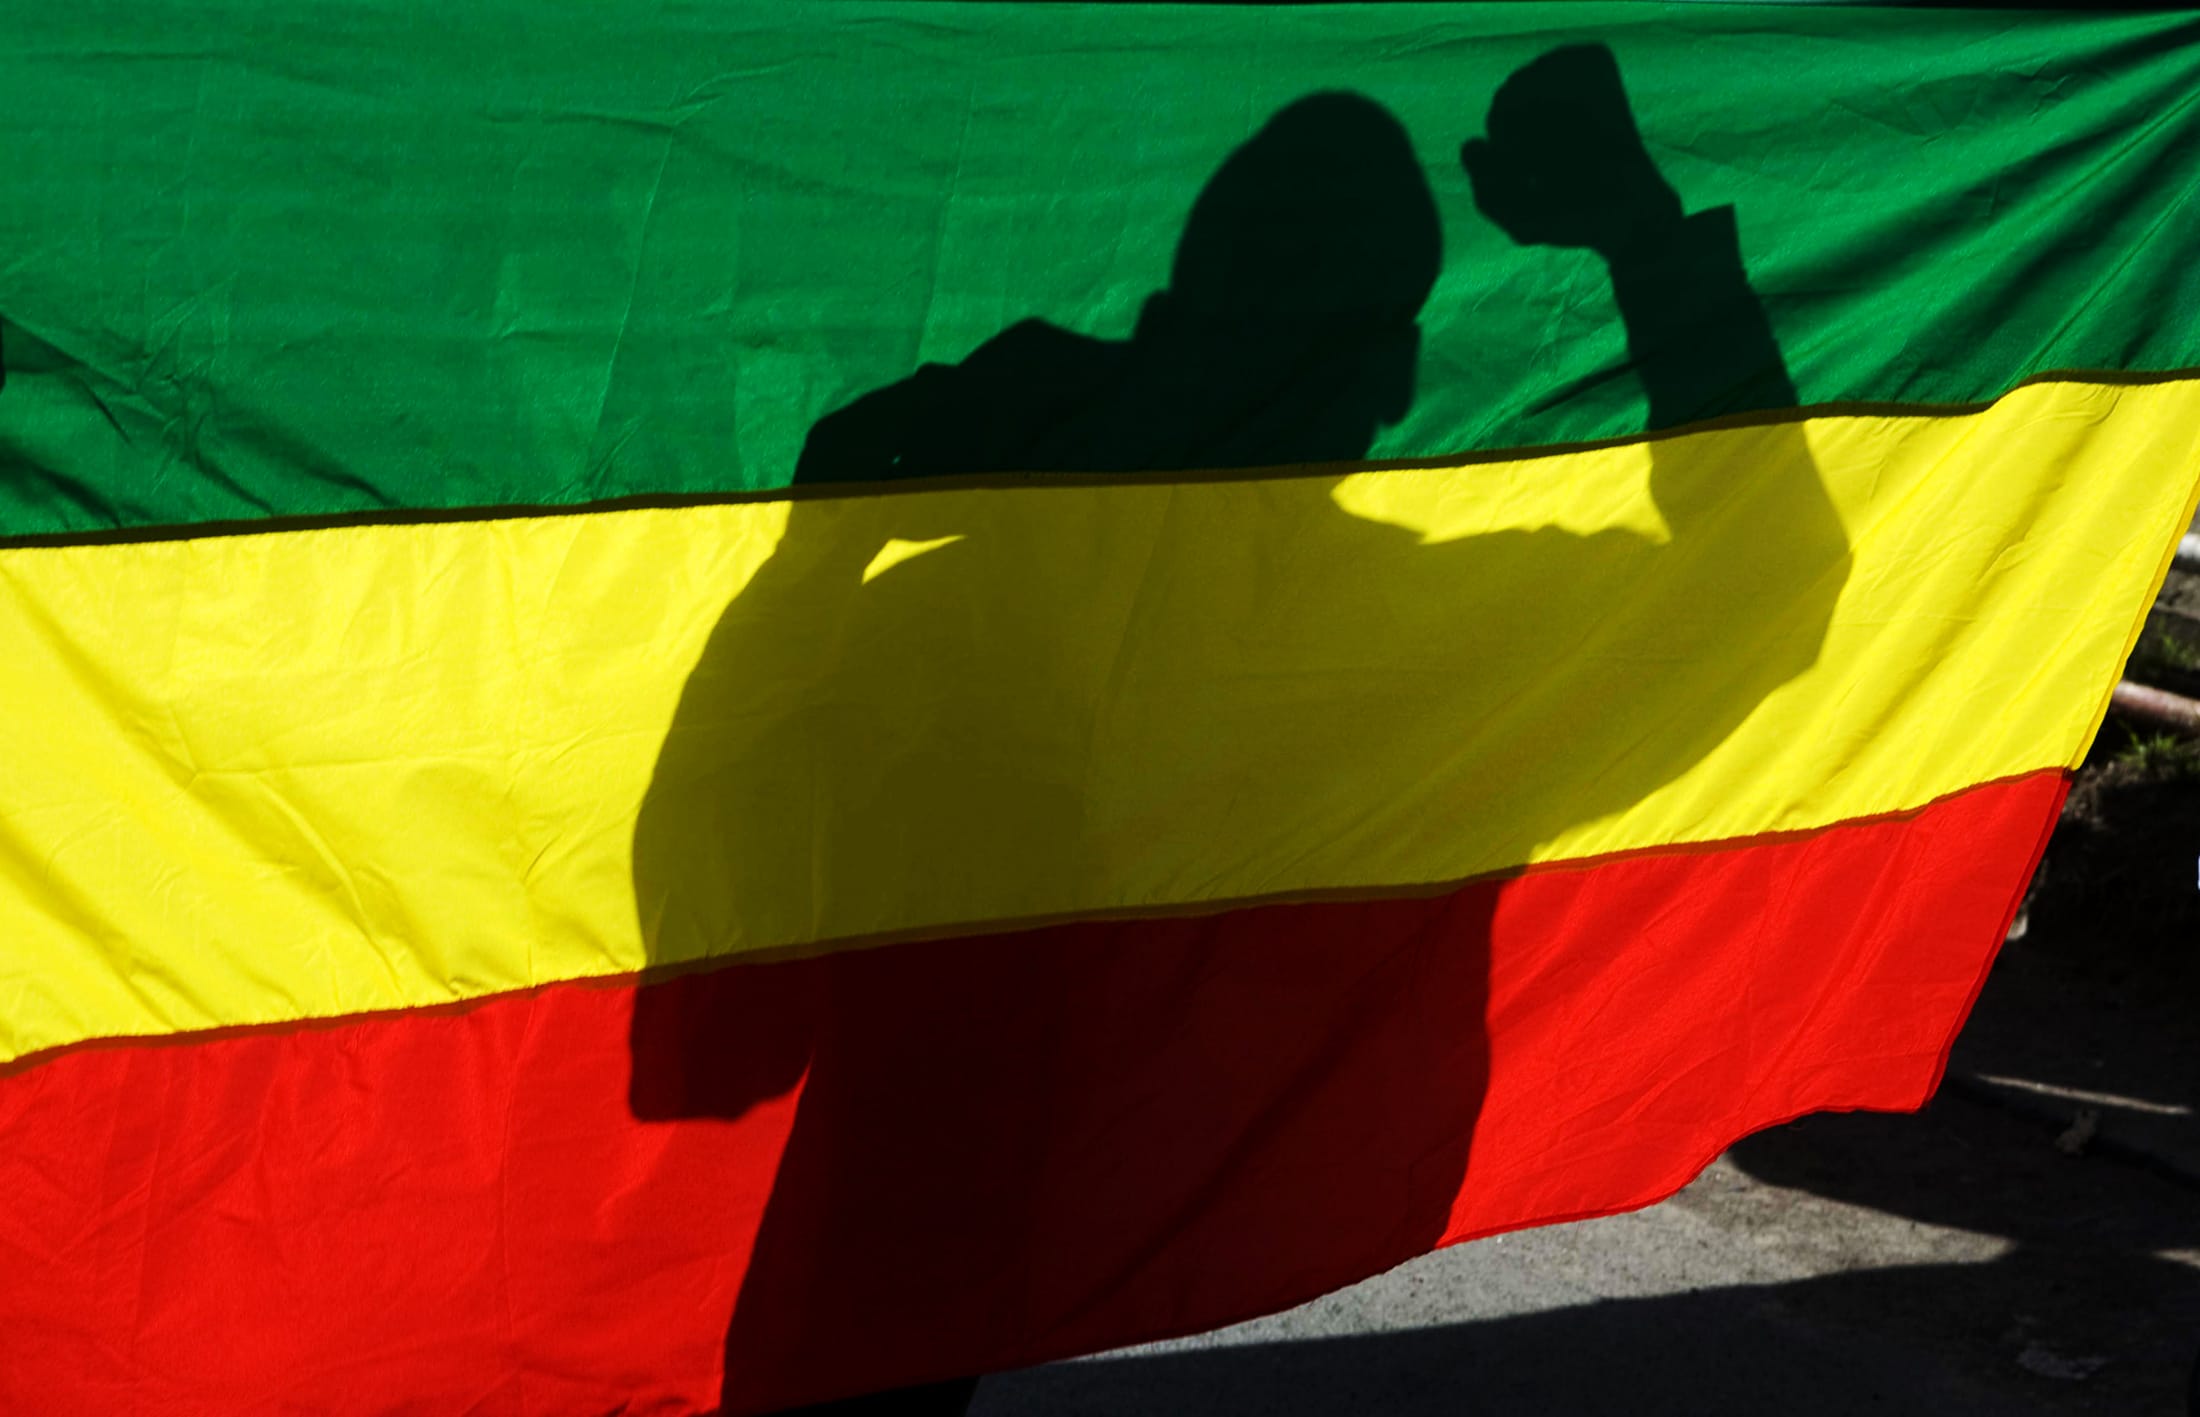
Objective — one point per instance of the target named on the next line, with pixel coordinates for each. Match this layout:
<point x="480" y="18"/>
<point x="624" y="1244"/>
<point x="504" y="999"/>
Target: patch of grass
<point x="2161" y="757"/>
<point x="2165" y="651"/>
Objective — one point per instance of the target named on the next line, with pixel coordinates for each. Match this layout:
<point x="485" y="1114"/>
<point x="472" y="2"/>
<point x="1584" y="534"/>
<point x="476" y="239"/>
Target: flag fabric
<point x="738" y="703"/>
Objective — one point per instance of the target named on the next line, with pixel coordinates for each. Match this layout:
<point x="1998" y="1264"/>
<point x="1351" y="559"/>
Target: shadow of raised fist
<point x="1563" y="164"/>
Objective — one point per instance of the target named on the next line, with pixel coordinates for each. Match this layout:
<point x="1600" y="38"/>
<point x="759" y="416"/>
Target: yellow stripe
<point x="299" y="774"/>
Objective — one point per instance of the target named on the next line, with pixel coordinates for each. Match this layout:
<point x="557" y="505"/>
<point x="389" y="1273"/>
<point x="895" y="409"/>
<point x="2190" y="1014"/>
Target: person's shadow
<point x="950" y="714"/>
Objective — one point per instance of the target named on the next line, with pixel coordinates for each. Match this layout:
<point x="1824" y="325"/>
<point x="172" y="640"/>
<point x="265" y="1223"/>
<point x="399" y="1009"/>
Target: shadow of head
<point x="1301" y="273"/>
<point x="1286" y="335"/>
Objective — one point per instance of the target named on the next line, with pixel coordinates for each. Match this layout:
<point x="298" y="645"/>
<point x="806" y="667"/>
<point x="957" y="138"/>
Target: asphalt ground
<point x="1954" y="1262"/>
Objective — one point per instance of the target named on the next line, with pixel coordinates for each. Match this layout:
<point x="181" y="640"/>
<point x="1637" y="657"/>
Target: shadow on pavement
<point x="1727" y="1351"/>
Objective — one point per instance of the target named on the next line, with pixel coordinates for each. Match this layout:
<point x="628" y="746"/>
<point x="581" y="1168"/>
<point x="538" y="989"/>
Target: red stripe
<point x="987" y="1152"/>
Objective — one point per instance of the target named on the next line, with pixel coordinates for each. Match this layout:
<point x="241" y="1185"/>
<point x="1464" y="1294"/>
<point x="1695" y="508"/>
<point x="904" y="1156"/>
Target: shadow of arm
<point x="1750" y="516"/>
<point x="1744" y="591"/>
<point x="1696" y="632"/>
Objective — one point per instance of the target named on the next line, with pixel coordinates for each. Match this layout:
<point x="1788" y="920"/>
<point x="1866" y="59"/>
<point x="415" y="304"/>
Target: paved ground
<point x="1952" y="1263"/>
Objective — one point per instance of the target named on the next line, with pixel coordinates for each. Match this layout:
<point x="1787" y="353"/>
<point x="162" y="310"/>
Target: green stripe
<point x="264" y="262"/>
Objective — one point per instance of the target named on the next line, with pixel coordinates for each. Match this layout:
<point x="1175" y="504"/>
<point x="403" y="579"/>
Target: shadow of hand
<point x="1564" y="165"/>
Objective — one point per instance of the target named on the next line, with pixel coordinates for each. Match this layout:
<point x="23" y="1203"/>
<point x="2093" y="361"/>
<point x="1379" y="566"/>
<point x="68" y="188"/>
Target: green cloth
<point x="258" y="261"/>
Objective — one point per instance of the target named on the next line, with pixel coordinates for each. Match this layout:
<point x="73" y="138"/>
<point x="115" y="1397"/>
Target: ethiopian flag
<point x="726" y="704"/>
